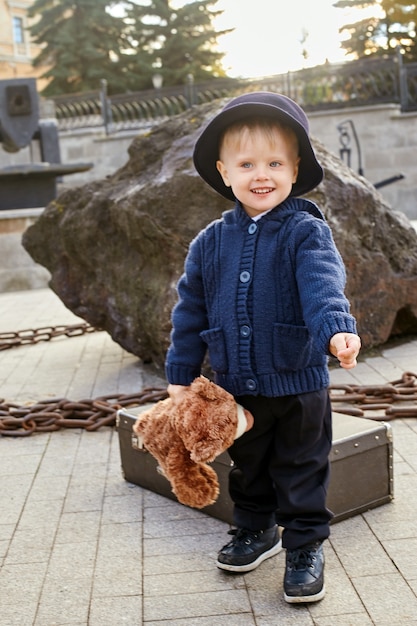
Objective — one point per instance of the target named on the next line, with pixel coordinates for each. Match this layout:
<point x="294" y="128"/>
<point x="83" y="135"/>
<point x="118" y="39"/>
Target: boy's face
<point x="260" y="165"/>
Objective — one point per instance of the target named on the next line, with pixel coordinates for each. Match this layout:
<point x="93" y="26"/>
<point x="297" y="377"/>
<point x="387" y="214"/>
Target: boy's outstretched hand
<point x="345" y="347"/>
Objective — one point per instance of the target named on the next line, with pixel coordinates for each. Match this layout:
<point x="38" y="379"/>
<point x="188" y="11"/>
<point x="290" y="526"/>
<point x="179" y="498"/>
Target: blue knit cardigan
<point x="264" y="298"/>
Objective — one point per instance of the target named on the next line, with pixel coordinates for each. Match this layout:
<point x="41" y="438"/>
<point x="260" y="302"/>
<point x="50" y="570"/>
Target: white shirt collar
<point x="260" y="215"/>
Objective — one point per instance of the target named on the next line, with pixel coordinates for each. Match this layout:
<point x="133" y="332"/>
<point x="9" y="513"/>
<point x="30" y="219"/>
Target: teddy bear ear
<point x="202" y="386"/>
<point x="207" y="389"/>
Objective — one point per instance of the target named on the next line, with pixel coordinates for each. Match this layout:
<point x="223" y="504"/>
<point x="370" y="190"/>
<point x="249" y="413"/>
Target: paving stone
<point x="220" y="603"/>
<point x="354" y="619"/>
<point x="116" y="610"/>
<point x="288" y="615"/>
<point x="341" y="597"/>
<point x="47" y="487"/>
<point x="22" y="614"/>
<point x="84" y="495"/>
<point x="121" y="509"/>
<point x="363" y="555"/>
<point x="117" y="575"/>
<point x="31" y="545"/>
<point x="121" y="539"/>
<point x="161" y="526"/>
<point x="171" y="564"/>
<point x="94" y="550"/>
<point x="206" y="545"/>
<point x="42" y="513"/>
<point x="70" y="571"/>
<point x="12" y="589"/>
<point x="403" y="554"/>
<point x="241" y="619"/>
<point x="20" y="464"/>
<point x="387" y="598"/>
<point x="78" y="526"/>
<point x="63" y="609"/>
<point x="193" y="582"/>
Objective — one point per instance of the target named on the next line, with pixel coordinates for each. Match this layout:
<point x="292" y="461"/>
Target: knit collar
<point x="280" y="212"/>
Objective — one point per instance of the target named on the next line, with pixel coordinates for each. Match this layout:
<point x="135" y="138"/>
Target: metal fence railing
<point x="372" y="81"/>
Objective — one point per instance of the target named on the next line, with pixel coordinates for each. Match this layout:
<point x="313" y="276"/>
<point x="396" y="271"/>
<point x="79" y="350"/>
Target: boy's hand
<point x="345" y="347"/>
<point x="176" y="392"/>
<point x="249" y="420"/>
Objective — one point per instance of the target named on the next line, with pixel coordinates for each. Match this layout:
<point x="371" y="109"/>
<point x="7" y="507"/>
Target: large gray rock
<point x="115" y="248"/>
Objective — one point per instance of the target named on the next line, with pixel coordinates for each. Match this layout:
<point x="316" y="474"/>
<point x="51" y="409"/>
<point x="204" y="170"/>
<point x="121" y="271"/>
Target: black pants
<point x="281" y="471"/>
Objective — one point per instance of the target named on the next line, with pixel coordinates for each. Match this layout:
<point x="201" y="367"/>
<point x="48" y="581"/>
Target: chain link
<point x="52" y="414"/>
<point x="393" y="400"/>
<point x="397" y="399"/>
<point x="31" y="336"/>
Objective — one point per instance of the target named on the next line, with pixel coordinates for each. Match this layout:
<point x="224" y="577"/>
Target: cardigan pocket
<point x="214" y="339"/>
<point x="292" y="347"/>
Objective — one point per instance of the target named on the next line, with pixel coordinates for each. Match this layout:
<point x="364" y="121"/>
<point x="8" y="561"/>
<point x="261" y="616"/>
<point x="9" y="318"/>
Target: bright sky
<point x="268" y="34"/>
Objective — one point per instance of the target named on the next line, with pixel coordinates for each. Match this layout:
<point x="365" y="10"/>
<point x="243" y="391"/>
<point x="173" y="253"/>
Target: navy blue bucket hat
<point x="257" y="104"/>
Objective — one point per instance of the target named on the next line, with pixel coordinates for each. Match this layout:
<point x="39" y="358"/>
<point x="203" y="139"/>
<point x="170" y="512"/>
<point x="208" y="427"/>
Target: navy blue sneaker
<point x="248" y="549"/>
<point x="304" y="574"/>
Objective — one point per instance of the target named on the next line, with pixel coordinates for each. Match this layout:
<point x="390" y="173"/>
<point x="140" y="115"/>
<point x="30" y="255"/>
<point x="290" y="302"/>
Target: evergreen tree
<point x="395" y="28"/>
<point x="401" y="19"/>
<point x="82" y="43"/>
<point x="176" y="43"/>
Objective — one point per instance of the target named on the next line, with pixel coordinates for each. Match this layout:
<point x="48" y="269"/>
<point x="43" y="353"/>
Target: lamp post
<point x="190" y="90"/>
<point x="157" y="81"/>
<point x="106" y="112"/>
<point x="344" y="138"/>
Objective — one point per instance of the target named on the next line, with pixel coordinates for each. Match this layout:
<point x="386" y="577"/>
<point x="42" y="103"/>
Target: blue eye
<point x="247" y="165"/>
<point x="274" y="164"/>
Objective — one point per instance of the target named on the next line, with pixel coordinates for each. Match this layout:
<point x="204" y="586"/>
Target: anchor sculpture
<point x="33" y="184"/>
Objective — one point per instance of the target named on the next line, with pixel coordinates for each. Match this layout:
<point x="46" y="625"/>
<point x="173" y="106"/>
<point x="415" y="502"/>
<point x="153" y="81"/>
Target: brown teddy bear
<point x="185" y="436"/>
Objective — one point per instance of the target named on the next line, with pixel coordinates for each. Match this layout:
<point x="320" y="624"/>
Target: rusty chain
<point x="52" y="414"/>
<point x="393" y="400"/>
<point x="385" y="402"/>
<point x="31" y="336"/>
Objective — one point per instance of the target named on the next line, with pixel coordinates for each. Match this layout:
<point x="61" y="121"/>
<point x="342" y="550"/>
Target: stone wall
<point x="18" y="271"/>
<point x="388" y="142"/>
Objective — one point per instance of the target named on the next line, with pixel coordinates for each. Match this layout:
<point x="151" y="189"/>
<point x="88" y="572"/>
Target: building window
<point x="18" y="31"/>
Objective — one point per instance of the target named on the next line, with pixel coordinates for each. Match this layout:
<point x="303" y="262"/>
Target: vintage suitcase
<point x="361" y="466"/>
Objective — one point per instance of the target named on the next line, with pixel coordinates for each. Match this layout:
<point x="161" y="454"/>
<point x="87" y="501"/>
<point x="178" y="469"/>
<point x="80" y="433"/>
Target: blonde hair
<point x="237" y="130"/>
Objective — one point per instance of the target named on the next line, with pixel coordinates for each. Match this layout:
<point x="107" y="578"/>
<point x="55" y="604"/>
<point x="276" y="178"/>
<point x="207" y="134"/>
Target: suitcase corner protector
<point x="390" y="434"/>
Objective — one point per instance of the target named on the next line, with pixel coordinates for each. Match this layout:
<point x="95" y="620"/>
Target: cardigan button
<point x="245" y="331"/>
<point x="244" y="277"/>
<point x="252" y="228"/>
<point x="250" y="384"/>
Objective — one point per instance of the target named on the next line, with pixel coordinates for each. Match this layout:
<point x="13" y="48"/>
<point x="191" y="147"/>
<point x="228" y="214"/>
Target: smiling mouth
<point x="262" y="191"/>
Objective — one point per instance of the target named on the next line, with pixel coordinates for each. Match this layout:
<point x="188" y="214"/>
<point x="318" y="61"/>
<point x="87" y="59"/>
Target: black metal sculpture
<point x="33" y="184"/>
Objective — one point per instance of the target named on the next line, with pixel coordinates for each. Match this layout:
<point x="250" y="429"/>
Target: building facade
<point x="16" y="48"/>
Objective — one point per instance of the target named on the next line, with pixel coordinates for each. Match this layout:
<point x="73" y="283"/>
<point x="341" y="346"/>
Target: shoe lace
<point x="302" y="558"/>
<point x="242" y="535"/>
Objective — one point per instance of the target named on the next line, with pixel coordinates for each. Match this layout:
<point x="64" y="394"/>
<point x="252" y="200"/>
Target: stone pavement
<point x="80" y="546"/>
